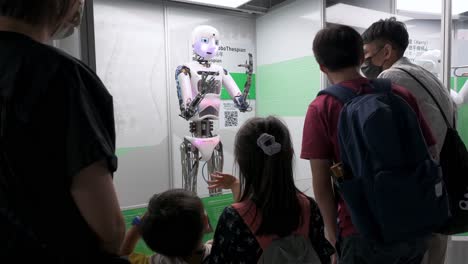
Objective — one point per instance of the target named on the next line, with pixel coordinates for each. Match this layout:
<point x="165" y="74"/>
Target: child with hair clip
<point x="268" y="205"/>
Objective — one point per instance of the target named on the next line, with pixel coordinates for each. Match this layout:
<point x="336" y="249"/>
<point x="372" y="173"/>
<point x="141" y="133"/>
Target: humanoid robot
<point x="199" y="85"/>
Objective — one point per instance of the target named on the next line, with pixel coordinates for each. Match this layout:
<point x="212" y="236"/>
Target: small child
<point x="173" y="227"/>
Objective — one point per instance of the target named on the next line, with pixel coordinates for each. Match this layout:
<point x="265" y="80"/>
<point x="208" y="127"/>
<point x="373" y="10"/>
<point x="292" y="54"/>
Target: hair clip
<point x="268" y="144"/>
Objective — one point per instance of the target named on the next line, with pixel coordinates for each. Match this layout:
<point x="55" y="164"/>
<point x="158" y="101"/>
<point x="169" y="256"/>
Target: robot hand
<point x="205" y="85"/>
<point x="242" y="104"/>
<point x="192" y="106"/>
<point x="241" y="100"/>
<point x="248" y="65"/>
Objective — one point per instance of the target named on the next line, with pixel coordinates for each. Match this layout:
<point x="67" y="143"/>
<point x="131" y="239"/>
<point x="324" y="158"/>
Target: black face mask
<point x="370" y="70"/>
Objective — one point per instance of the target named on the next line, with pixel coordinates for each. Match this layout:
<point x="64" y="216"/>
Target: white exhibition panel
<point x="130" y="55"/>
<point x="286" y="33"/>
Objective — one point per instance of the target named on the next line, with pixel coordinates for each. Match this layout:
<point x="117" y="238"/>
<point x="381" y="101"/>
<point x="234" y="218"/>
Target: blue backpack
<point x="392" y="187"/>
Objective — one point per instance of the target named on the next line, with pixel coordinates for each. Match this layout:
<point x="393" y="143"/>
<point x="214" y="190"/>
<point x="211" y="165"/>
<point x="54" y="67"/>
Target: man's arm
<point x="94" y="193"/>
<point x="324" y="195"/>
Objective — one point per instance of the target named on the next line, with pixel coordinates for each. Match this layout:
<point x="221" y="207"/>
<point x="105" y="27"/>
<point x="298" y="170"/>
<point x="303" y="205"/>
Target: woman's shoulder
<point x="231" y="219"/>
<point x="73" y="73"/>
<point x="312" y="202"/>
<point x="61" y="66"/>
<point x="230" y="213"/>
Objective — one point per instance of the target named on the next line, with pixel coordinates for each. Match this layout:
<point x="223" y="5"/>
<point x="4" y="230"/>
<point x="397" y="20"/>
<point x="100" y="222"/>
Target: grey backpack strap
<point x="291" y="249"/>
<point x="430" y="94"/>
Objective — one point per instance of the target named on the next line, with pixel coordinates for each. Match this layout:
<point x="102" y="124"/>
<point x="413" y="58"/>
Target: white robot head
<point x="430" y="60"/>
<point x="205" y="41"/>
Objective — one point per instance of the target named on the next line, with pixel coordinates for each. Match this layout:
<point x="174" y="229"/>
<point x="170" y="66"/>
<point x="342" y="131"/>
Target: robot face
<point x="205" y="42"/>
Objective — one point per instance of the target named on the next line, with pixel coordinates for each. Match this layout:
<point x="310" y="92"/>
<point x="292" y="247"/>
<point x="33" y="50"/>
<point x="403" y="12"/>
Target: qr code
<point x="231" y="118"/>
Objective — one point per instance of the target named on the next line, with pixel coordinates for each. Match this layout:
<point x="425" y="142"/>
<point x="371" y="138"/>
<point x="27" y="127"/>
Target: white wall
<point x="284" y="40"/>
<point x="71" y="45"/>
<point x="130" y="57"/>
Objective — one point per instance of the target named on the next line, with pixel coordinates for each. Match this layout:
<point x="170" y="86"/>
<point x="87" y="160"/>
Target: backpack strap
<point x="252" y="218"/>
<point x="430" y="94"/>
<point x="381" y="85"/>
<point x="342" y="93"/>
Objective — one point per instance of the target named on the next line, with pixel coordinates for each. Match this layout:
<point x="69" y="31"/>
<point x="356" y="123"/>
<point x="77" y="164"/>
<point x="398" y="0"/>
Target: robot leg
<point x="215" y="164"/>
<point x="190" y="162"/>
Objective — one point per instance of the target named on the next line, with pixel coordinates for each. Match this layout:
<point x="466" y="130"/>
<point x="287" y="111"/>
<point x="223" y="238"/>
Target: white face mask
<point x="71" y="21"/>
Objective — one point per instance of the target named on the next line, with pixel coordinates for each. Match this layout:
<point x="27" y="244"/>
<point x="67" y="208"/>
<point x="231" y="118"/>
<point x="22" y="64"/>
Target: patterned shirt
<point x="235" y="243"/>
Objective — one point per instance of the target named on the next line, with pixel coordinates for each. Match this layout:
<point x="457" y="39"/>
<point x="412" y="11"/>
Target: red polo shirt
<point x="320" y="137"/>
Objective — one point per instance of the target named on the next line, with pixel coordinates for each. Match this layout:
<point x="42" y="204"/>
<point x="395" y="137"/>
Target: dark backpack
<point x="454" y="162"/>
<point x="392" y="187"/>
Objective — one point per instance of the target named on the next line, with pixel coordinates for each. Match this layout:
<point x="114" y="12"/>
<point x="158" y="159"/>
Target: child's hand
<point x="221" y="180"/>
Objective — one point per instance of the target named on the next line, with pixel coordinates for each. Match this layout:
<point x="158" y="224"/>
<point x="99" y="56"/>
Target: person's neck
<point x="344" y="75"/>
<point x="38" y="33"/>
<point x="388" y="64"/>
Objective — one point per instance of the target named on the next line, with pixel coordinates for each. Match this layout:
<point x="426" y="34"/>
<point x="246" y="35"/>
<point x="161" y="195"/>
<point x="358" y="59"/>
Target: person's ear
<point x="388" y="50"/>
<point x="324" y="69"/>
<point x="362" y="59"/>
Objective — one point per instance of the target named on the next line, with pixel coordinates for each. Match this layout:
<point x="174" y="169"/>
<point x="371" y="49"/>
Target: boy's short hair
<point x="388" y="30"/>
<point x="35" y="12"/>
<point x="174" y="223"/>
<point x="338" y="47"/>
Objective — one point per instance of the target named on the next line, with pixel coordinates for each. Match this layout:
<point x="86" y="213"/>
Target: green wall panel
<point x="462" y="113"/>
<point x="240" y="79"/>
<point x="287" y="87"/>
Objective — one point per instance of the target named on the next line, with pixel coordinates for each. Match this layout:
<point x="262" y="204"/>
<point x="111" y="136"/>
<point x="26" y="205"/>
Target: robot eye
<point x="217" y="42"/>
<point x="204" y="40"/>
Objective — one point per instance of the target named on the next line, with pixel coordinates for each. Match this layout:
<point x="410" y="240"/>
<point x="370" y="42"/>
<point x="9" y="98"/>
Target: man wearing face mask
<point x="385" y="43"/>
<point x="57" y="143"/>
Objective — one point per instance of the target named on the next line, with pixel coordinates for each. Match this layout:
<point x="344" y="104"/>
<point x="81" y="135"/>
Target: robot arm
<point x="189" y="105"/>
<point x="240" y="99"/>
<point x="460" y="97"/>
<point x="184" y="87"/>
<point x="234" y="92"/>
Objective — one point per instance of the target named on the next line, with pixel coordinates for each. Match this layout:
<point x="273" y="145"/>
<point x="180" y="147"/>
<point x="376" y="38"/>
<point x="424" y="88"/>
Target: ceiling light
<point x="220" y="3"/>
